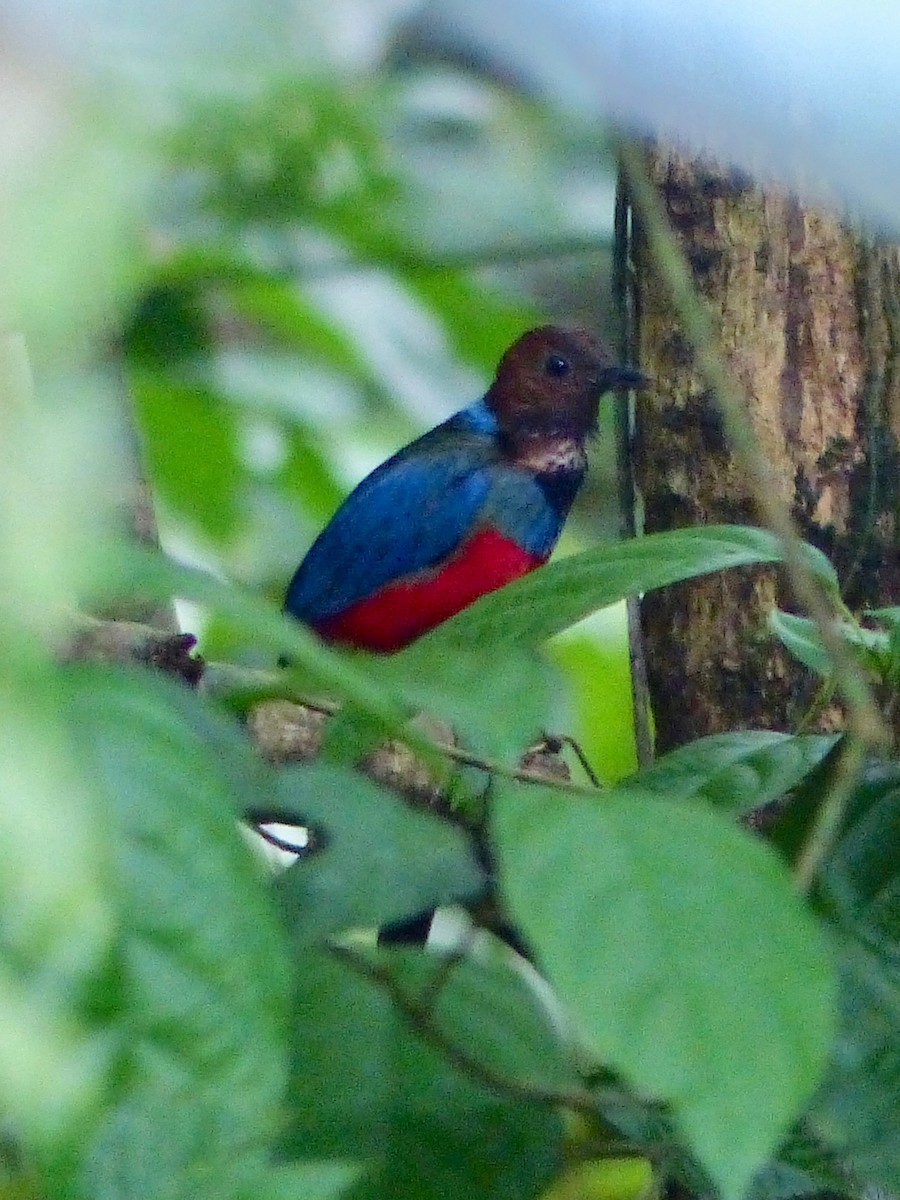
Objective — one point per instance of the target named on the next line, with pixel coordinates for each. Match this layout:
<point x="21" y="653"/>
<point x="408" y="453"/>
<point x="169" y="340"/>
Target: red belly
<point x="401" y="612"/>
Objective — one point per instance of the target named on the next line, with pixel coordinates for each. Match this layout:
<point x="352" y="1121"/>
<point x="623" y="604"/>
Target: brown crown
<point x="551" y="380"/>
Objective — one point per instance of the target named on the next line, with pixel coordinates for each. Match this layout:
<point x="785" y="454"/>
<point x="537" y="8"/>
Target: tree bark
<point x="808" y="316"/>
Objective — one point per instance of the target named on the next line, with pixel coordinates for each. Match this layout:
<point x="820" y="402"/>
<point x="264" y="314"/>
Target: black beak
<point x="619" y="378"/>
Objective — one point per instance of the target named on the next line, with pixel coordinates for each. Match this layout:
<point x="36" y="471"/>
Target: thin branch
<point x="864" y="718"/>
<point x="241" y="689"/>
<point x="420" y="1018"/>
<point x="497" y="254"/>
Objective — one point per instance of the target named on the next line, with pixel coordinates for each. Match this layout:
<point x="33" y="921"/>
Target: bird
<point x="474" y="503"/>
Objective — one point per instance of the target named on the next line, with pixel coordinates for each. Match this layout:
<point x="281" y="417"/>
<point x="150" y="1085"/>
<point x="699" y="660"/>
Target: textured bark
<point x="809" y="319"/>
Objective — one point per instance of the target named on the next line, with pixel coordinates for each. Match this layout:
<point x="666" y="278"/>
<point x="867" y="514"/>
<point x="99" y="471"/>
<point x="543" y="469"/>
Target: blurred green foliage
<point x="294" y="275"/>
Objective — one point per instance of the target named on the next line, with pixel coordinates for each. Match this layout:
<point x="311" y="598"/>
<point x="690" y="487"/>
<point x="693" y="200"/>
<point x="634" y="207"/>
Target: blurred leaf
<point x="733" y="771"/>
<point x="167" y="327"/>
<point x="605" y="1179"/>
<point x="57" y="920"/>
<point x="856" y="1109"/>
<point x="381" y="860"/>
<point x="201" y="989"/>
<point x="861" y="882"/>
<point x="301" y="149"/>
<point x="860" y="887"/>
<point x="366" y="1086"/>
<point x="890" y="619"/>
<point x="456" y="298"/>
<point x="325" y="1180"/>
<point x="190" y="436"/>
<point x="307" y="474"/>
<point x="796" y="821"/>
<point x="314" y="665"/>
<point x="801" y="637"/>
<point x="72" y="211"/>
<point x="734" y="1041"/>
<point x="168" y="1141"/>
<point x="805" y="1170"/>
<point x="549" y="600"/>
<point x="279" y="308"/>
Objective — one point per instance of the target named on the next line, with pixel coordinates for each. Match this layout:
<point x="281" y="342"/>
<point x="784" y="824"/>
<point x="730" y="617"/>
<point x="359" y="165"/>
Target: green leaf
<point x="597" y="667"/>
<point x="803" y="1166"/>
<point x="156" y="1146"/>
<point x="170" y="1142"/>
<point x="647" y="916"/>
<point x="281" y="309"/>
<point x="190" y="436"/>
<point x="316" y="665"/>
<point x="325" y="1180"/>
<point x="57" y="920"/>
<point x="497" y="705"/>
<point x="857" y="1107"/>
<point x="796" y="822"/>
<point x="733" y="771"/>
<point x="889" y="618"/>
<point x="802" y="638"/>
<point x="549" y="600"/>
<point x="200" y="992"/>
<point x="860" y="885"/>
<point x="381" y="859"/>
<point x="861" y="882"/>
<point x="366" y="1086"/>
<point x="489" y="1010"/>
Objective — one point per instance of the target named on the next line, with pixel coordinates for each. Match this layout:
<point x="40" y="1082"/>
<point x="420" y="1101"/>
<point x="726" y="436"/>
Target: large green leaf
<point x="734" y="771"/>
<point x="366" y="1086"/>
<point x="381" y="859"/>
<point x="684" y="955"/>
<point x="549" y="600"/>
<point x="200" y="990"/>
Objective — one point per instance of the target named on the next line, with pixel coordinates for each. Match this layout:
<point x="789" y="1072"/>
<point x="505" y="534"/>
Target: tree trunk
<point x="809" y="319"/>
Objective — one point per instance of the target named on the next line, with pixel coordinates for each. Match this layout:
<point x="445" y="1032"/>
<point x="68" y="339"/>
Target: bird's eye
<point x="556" y="365"/>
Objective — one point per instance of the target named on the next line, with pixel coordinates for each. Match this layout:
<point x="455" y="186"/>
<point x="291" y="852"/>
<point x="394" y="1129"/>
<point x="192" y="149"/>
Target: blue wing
<point x="417" y="508"/>
<point x="409" y="514"/>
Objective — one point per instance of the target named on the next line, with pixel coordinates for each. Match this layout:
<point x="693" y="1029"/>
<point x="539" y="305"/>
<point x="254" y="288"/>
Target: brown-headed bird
<point x="467" y="507"/>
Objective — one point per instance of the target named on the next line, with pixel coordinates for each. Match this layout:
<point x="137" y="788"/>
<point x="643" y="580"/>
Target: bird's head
<point x="550" y="382"/>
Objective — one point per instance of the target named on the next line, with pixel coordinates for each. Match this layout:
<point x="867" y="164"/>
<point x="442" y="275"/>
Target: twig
<point x="420" y="1018"/>
<point x="556" y="741"/>
<point x="830" y="815"/>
